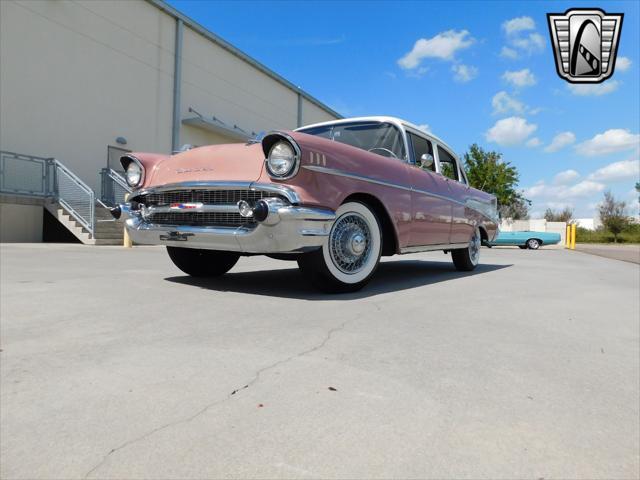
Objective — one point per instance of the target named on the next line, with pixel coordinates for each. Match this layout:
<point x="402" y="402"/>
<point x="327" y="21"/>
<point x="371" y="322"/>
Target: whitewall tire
<point x="467" y="259"/>
<point x="351" y="254"/>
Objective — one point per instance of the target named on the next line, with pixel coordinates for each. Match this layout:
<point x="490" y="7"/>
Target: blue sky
<point x="473" y="72"/>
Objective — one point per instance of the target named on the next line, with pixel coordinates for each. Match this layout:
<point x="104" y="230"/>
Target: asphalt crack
<point x="256" y="377"/>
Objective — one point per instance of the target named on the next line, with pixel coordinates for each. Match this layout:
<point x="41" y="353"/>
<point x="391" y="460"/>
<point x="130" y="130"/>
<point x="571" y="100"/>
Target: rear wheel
<point x="202" y="263"/>
<point x="351" y="254"/>
<point x="466" y="259"/>
<point x="533" y="244"/>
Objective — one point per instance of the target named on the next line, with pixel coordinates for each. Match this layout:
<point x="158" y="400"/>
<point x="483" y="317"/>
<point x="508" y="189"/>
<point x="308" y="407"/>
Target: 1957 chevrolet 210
<point x="334" y="196"/>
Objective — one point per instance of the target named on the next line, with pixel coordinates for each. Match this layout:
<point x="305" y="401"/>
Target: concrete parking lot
<point x="115" y="365"/>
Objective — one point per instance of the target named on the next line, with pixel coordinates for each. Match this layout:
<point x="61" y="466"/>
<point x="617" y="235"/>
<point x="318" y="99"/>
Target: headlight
<point x="134" y="174"/>
<point x="282" y="161"/>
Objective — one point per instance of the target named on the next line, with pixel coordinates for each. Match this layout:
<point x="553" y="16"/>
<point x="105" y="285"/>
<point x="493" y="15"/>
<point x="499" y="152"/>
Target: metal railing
<point x="39" y="177"/>
<point x="76" y="196"/>
<point x="114" y="187"/>
<point x="26" y="175"/>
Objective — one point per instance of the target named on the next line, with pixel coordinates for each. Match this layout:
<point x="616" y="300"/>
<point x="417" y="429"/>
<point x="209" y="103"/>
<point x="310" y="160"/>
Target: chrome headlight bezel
<point x="134" y="164"/>
<point x="269" y="143"/>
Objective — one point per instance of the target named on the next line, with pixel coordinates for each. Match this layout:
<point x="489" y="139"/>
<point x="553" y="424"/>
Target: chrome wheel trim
<point x="350" y="243"/>
<point x="533" y="244"/>
<point x="371" y="252"/>
<point x="474" y="247"/>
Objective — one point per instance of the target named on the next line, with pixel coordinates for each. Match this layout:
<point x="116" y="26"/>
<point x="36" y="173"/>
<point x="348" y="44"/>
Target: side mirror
<point x="426" y="161"/>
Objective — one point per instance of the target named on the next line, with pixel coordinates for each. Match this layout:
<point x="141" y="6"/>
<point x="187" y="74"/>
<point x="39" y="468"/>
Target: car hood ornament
<point x="585" y="43"/>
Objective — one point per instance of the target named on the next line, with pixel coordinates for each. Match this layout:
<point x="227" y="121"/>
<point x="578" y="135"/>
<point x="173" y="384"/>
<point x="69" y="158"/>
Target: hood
<point x="231" y="162"/>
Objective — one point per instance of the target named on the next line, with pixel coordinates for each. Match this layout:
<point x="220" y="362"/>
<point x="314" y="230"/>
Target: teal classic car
<point x="525" y="239"/>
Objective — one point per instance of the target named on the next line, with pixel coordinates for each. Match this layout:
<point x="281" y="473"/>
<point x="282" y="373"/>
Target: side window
<point x="448" y="164"/>
<point x="420" y="147"/>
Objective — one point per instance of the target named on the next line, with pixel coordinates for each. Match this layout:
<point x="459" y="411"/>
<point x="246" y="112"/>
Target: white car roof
<point x="398" y="122"/>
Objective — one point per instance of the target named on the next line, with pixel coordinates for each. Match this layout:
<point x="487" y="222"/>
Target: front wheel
<point x="351" y="254"/>
<point x="533" y="244"/>
<point x="466" y="259"/>
<point x="202" y="263"/>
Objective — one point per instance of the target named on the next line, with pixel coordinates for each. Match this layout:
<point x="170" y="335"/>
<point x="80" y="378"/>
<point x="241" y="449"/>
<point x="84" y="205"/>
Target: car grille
<point x="211" y="197"/>
<point x="209" y="219"/>
<point x="207" y="197"/>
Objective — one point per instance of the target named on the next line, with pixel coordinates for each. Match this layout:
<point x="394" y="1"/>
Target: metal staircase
<point x="63" y="194"/>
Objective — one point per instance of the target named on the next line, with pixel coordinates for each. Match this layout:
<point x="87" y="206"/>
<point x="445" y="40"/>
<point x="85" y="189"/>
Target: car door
<point x="430" y="210"/>
<point x="458" y="191"/>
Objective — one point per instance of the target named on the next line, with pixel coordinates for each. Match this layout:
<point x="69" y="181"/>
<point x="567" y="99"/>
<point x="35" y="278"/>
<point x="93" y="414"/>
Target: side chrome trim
<point x="283" y="190"/>
<point x="431" y="248"/>
<point x="364" y="178"/>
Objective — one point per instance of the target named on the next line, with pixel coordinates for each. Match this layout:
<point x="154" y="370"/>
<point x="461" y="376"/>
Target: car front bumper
<point x="287" y="229"/>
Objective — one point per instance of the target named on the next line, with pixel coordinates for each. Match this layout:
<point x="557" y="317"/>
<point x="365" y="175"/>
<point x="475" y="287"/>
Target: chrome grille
<point x="207" y="197"/>
<point x="217" y="219"/>
<point x="211" y="197"/>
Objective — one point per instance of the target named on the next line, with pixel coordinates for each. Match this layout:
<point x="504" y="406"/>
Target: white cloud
<point x="532" y="43"/>
<point x="502" y="103"/>
<point x="593" y="89"/>
<point x="518" y="24"/>
<point x="418" y="72"/>
<point x="560" y="141"/>
<point x="464" y="73"/>
<point x="616" y="171"/>
<point x="443" y="46"/>
<point x="424" y="127"/>
<point x="507" y="52"/>
<point x="533" y="142"/>
<point x="563" y="193"/>
<point x="623" y="64"/>
<point x="585" y="188"/>
<point x="565" y="177"/>
<point x="521" y="38"/>
<point x="613" y="140"/>
<point x="520" y="78"/>
<point x="510" y="131"/>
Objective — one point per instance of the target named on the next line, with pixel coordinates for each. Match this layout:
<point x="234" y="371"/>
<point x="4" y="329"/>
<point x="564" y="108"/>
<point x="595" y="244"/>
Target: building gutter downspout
<point x="177" y="81"/>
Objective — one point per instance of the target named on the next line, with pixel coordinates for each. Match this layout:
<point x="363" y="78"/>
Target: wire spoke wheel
<point x="350" y="243"/>
<point x="351" y="253"/>
<point x="474" y="247"/>
<point x="466" y="259"/>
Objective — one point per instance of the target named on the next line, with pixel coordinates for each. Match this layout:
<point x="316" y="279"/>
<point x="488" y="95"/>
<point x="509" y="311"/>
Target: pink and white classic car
<point x="334" y="196"/>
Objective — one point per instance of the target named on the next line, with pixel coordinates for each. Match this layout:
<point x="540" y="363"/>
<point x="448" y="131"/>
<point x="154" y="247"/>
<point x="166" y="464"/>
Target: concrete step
<point x="107" y="241"/>
<point x="109" y="227"/>
<point x="110" y="236"/>
<point x="103" y="214"/>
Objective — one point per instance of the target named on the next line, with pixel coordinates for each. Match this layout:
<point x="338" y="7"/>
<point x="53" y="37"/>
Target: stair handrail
<point x="111" y="178"/>
<point x="82" y="197"/>
<point x="88" y="223"/>
<point x="119" y="179"/>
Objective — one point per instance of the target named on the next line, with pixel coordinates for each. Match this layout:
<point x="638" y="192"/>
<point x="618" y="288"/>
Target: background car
<point x="526" y="239"/>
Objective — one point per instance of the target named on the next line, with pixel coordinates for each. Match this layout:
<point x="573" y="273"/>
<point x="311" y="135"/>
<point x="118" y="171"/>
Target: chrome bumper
<point x="288" y="228"/>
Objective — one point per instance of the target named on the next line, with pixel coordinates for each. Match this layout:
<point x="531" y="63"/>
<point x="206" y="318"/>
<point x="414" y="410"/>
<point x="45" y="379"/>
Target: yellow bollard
<point x="567" y="237"/>
<point x="573" y="236"/>
<point x="126" y="239"/>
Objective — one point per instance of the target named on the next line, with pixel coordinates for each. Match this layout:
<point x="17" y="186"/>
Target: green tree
<point x="562" y="216"/>
<point x="487" y="171"/>
<point x="613" y="215"/>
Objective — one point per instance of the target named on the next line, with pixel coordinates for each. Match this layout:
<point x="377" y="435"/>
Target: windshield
<point x="380" y="138"/>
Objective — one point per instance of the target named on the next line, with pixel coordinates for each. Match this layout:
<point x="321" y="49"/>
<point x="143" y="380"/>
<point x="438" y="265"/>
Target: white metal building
<point x="81" y="81"/>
